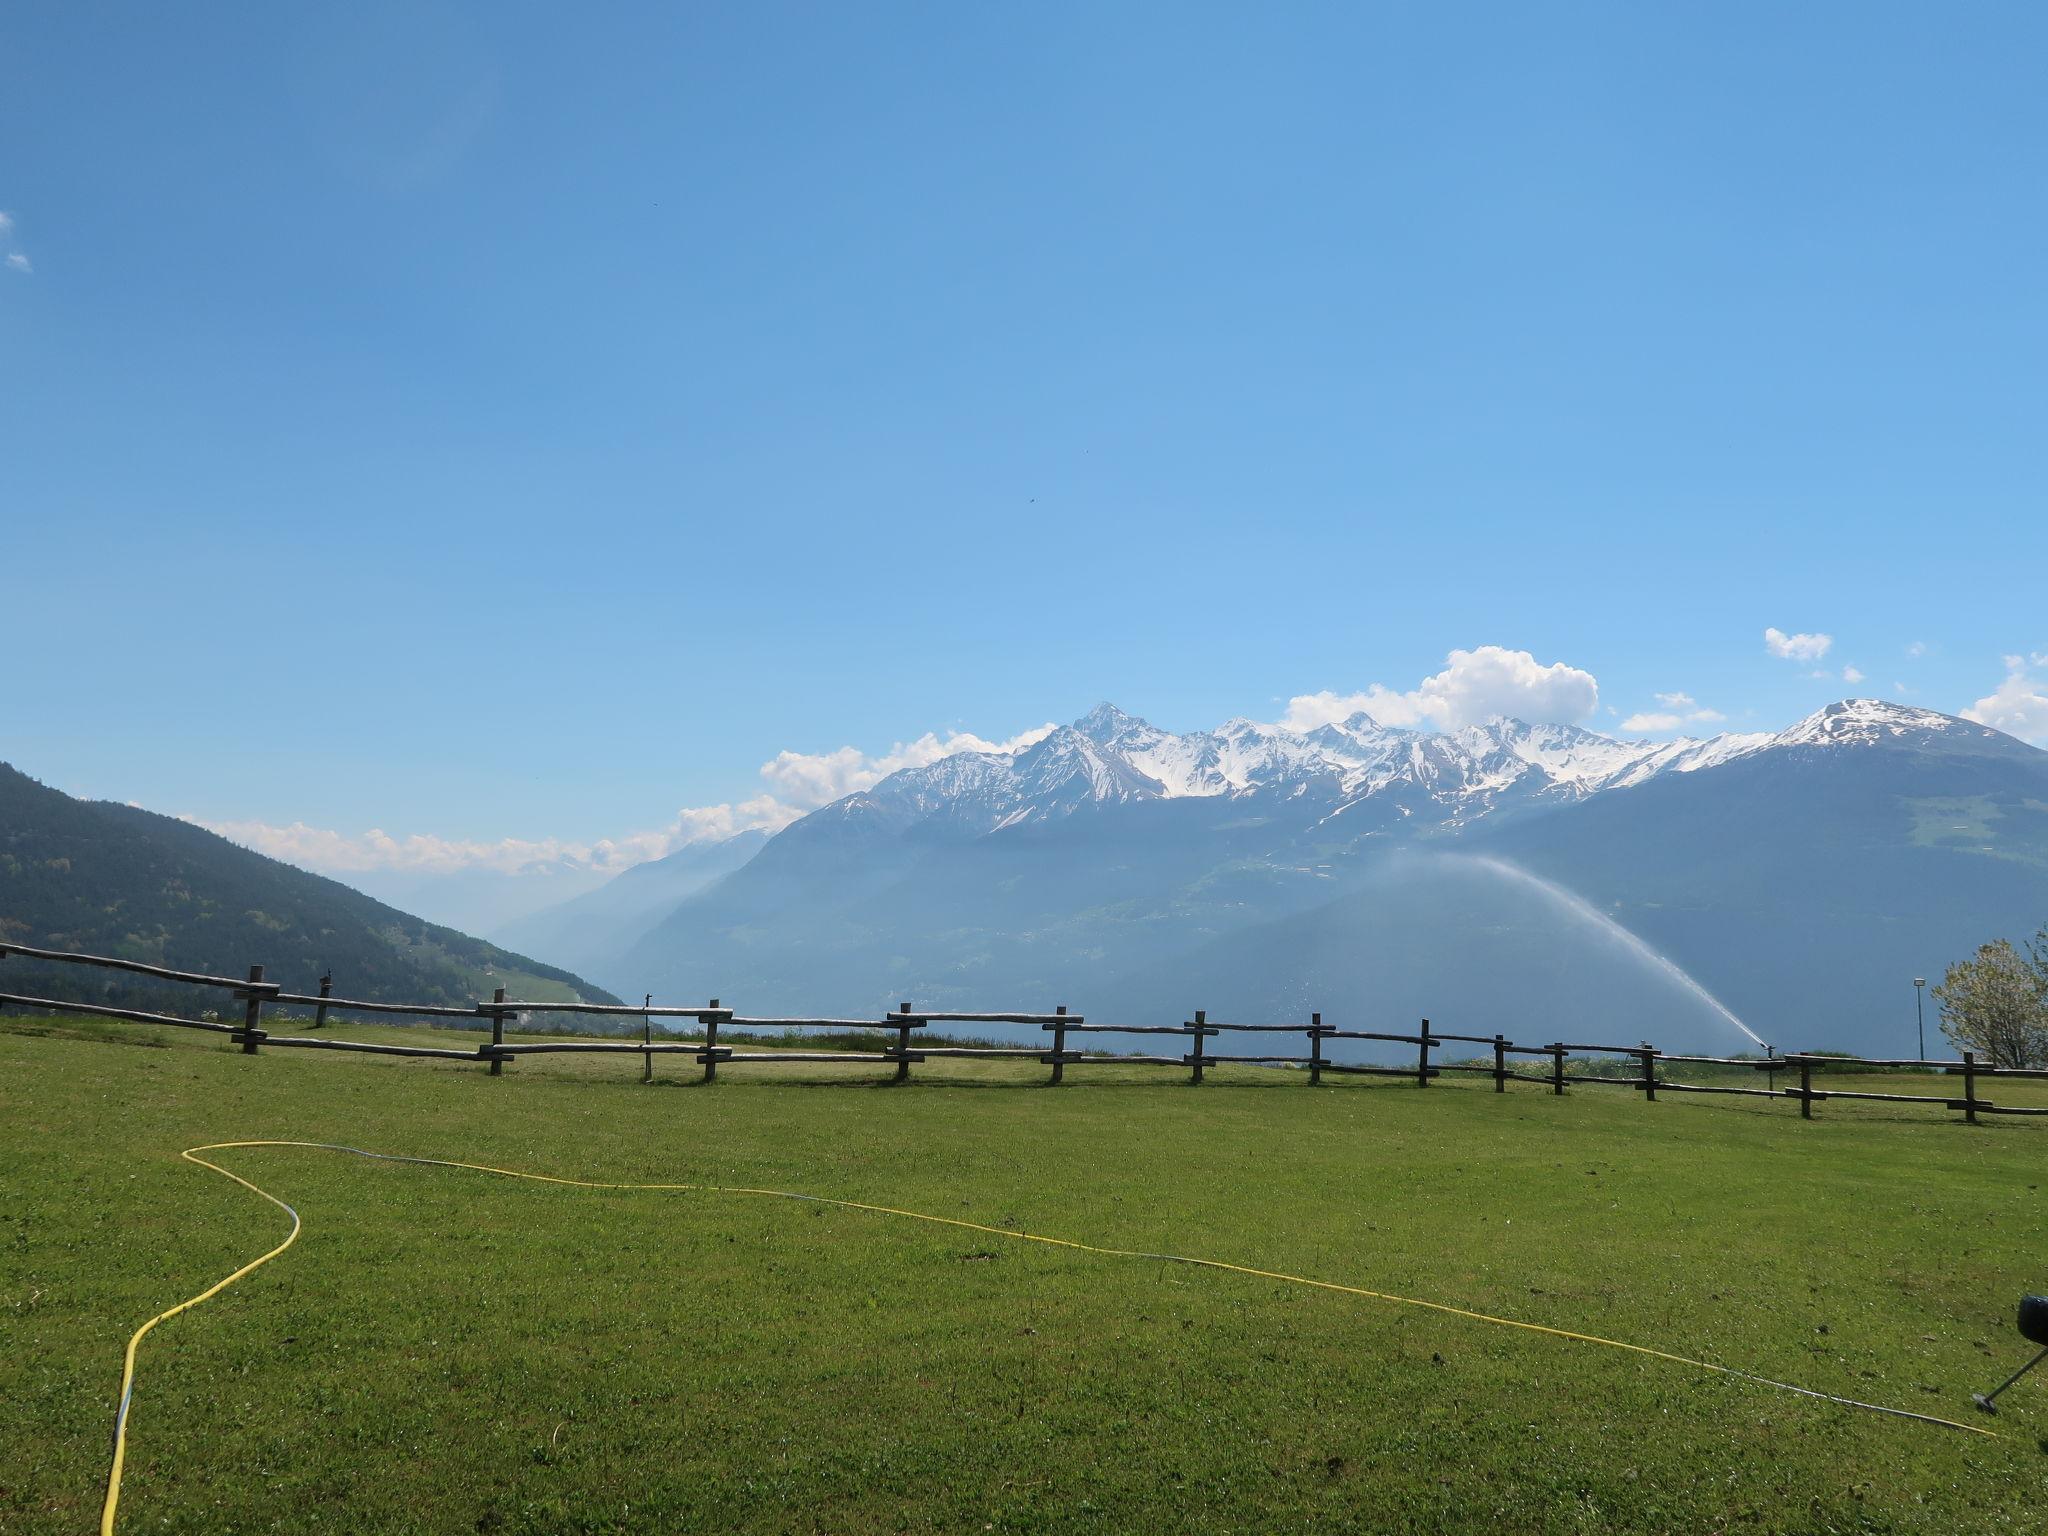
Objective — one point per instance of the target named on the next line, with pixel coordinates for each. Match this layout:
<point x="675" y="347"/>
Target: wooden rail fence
<point x="255" y="994"/>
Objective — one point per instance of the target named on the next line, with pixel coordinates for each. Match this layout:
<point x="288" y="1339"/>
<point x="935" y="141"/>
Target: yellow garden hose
<point x="191" y="1154"/>
<point x="135" y="1339"/>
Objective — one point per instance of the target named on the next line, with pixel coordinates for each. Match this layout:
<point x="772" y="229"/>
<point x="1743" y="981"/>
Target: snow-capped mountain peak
<point x="1448" y="778"/>
<point x="1105" y="722"/>
<point x="1857" y="722"/>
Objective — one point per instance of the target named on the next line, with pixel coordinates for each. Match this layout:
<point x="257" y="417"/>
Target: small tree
<point x="1997" y="1004"/>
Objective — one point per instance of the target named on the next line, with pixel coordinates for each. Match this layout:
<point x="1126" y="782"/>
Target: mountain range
<point x="1503" y="876"/>
<point x="1539" y="880"/>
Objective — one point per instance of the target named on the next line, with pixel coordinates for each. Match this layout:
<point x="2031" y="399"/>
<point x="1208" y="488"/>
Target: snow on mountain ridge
<point x="1109" y="756"/>
<point x="1861" y="721"/>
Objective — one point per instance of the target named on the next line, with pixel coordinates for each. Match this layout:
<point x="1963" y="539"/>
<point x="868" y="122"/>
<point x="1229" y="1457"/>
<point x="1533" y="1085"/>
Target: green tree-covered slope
<point x="109" y="879"/>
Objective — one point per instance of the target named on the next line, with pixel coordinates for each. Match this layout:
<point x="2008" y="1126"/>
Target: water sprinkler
<point x="2033" y="1328"/>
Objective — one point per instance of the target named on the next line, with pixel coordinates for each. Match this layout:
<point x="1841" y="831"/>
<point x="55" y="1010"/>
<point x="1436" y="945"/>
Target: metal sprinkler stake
<point x="2033" y="1323"/>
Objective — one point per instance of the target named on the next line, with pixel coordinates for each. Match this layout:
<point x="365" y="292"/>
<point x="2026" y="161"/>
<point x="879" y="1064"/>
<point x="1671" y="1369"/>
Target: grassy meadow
<point x="447" y="1351"/>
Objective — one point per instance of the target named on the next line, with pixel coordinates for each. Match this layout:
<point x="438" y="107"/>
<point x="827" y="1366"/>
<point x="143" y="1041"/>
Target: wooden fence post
<point x="1059" y="1043"/>
<point x="326" y="991"/>
<point x="903" y="1046"/>
<point x="1970" y="1087"/>
<point x="1315" y="1050"/>
<point x="1557" y="1068"/>
<point x="647" y="1038"/>
<point x="1201" y="1018"/>
<point x="1500" y="1064"/>
<point x="711" y="1045"/>
<point x="1805" y="1089"/>
<point x="252" y="1013"/>
<point x="1422" y="1058"/>
<point x="1650" y="1073"/>
<point x="497" y="1032"/>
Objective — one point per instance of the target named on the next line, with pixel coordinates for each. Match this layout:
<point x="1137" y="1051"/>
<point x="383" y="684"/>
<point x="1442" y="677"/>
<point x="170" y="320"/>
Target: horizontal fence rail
<point x="1637" y="1067"/>
<point x="109" y="963"/>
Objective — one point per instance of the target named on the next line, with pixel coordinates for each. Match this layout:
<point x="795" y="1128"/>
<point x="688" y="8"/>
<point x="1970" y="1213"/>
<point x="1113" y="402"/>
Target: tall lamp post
<point x="1920" y="1012"/>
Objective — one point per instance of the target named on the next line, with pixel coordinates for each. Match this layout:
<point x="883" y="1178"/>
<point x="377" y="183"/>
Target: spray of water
<point x="1591" y="915"/>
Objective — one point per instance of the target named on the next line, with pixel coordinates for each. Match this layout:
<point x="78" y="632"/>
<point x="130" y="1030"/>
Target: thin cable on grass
<point x="191" y="1155"/>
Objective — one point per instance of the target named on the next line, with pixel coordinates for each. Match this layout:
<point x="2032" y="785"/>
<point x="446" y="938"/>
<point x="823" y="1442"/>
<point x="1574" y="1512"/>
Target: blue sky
<point x="522" y="422"/>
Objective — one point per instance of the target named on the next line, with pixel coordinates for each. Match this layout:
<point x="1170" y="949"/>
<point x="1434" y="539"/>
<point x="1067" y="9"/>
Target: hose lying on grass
<point x="191" y="1154"/>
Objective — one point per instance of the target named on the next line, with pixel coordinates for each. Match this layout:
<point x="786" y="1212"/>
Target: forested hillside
<point x="110" y="879"/>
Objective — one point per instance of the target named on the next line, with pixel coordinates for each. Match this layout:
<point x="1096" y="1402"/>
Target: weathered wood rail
<point x="254" y="994"/>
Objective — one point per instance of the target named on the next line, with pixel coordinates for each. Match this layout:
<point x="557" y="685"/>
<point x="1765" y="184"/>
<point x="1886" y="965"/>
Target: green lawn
<point x="446" y="1351"/>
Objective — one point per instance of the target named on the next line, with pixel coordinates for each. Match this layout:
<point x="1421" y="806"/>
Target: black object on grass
<point x="2033" y="1322"/>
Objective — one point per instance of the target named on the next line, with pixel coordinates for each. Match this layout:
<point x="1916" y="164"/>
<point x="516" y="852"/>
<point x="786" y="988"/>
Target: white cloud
<point x="1797" y="647"/>
<point x="1851" y="675"/>
<point x="797" y="783"/>
<point x="345" y="853"/>
<point x="1307" y="711"/>
<point x="1475" y="684"/>
<point x="1917" y="648"/>
<point x="17" y="261"/>
<point x="1679" y="709"/>
<point x="2019" y="705"/>
<point x="818" y="778"/>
